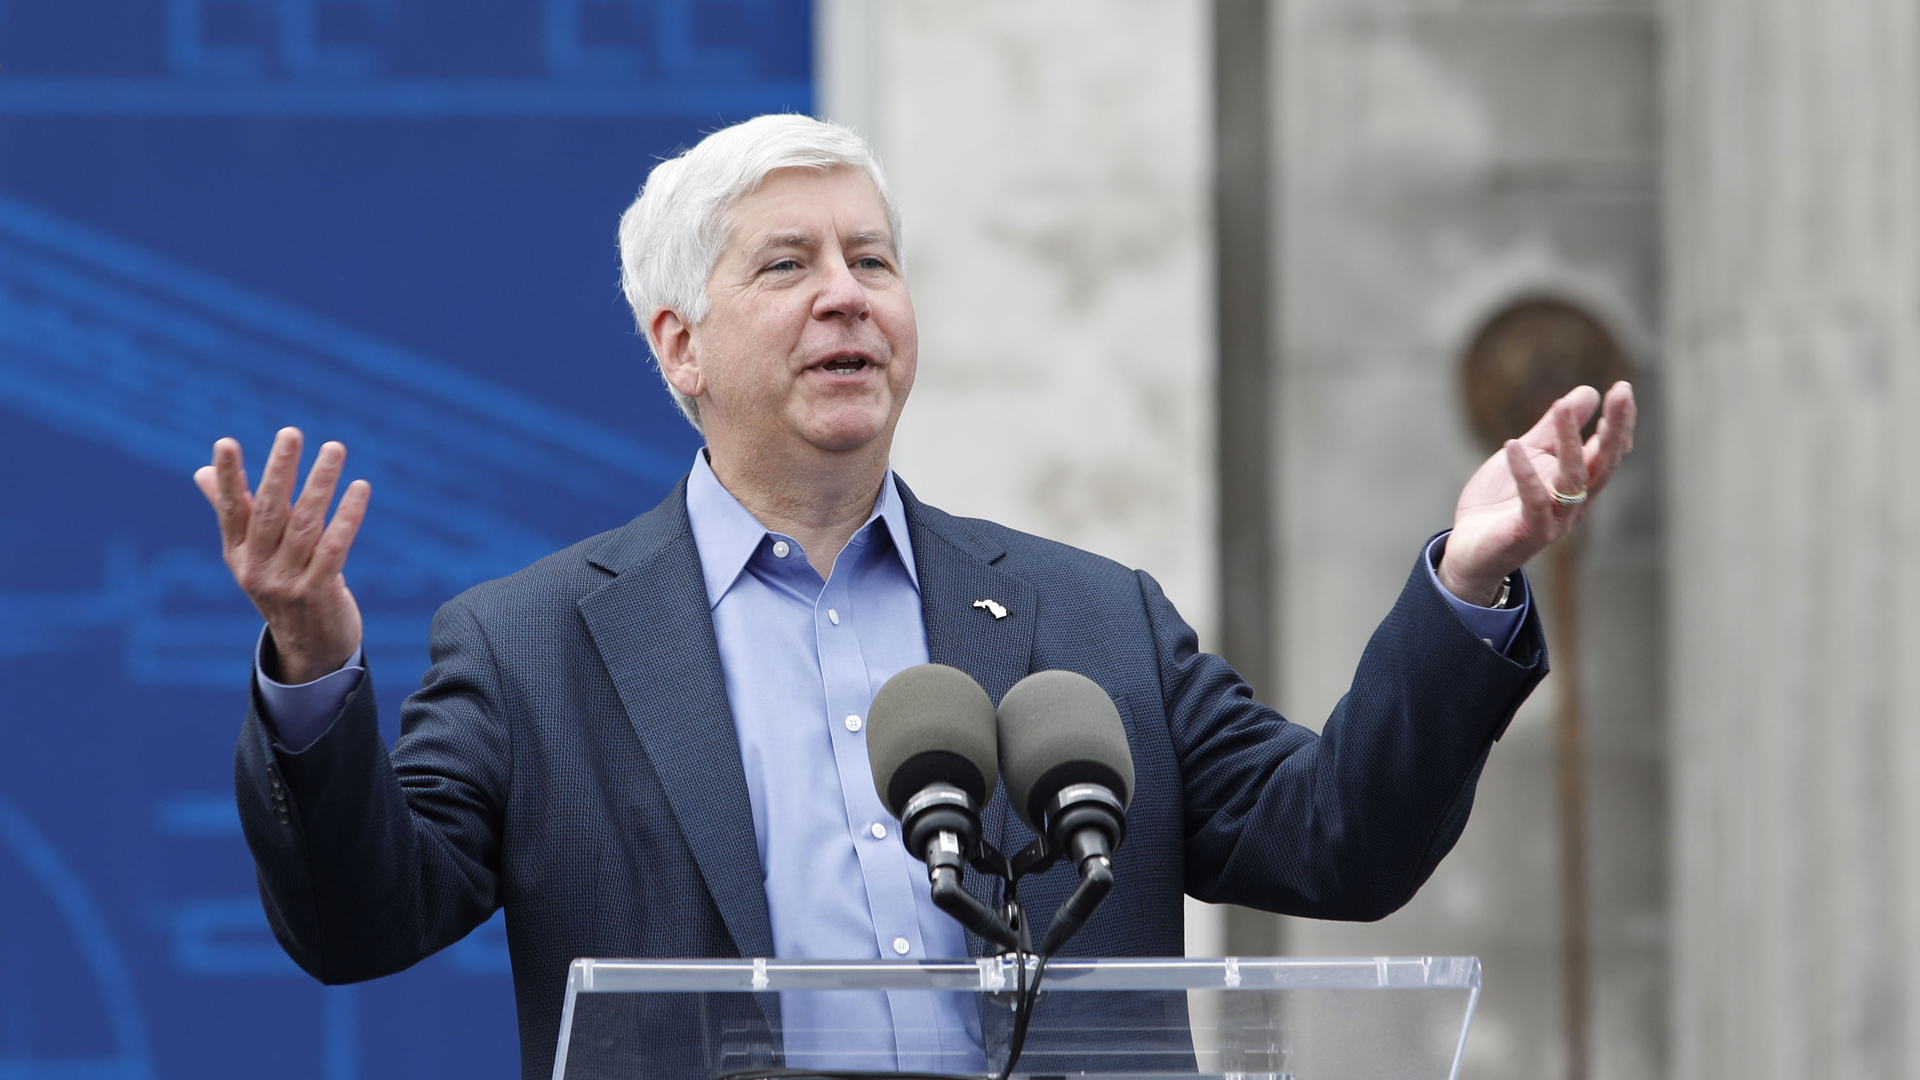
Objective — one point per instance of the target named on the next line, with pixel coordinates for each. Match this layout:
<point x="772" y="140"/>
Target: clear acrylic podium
<point x="1378" y="1018"/>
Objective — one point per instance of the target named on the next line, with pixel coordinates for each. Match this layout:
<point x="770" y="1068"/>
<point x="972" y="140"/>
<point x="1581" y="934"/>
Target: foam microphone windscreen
<point x="931" y="724"/>
<point x="1059" y="728"/>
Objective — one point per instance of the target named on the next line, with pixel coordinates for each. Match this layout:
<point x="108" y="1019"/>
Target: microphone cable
<point x="1024" y="1005"/>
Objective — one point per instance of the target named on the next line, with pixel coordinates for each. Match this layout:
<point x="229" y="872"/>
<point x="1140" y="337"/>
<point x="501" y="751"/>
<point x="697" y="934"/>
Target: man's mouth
<point x="844" y="365"/>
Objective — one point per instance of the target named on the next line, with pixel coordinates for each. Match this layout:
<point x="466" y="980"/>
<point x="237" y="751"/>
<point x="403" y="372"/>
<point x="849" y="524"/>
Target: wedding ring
<point x="1566" y="498"/>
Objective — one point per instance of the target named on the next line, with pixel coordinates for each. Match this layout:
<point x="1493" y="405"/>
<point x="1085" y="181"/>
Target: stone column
<point x="1793" y="210"/>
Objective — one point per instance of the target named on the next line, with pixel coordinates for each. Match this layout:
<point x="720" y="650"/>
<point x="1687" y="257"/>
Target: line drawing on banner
<point x="226" y="935"/>
<point x="45" y="867"/>
<point x="155" y="359"/>
<point x="610" y="58"/>
<point x="229" y="935"/>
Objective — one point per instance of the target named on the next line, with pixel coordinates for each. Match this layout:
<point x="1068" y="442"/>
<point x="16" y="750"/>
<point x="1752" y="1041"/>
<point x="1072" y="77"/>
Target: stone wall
<point x="1794" y="196"/>
<point x="1438" y="161"/>
<point x="1432" y="162"/>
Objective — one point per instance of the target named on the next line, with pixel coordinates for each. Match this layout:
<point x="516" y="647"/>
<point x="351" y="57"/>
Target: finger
<point x="224" y="483"/>
<point x="1536" y="506"/>
<point x="1572" y="478"/>
<point x="207" y="480"/>
<point x="1545" y="432"/>
<point x="270" y="505"/>
<point x="310" y="512"/>
<point x="1614" y="438"/>
<point x="330" y="555"/>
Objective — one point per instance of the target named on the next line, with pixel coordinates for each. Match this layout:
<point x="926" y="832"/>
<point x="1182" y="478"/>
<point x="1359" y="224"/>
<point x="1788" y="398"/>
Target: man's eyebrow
<point x="807" y="241"/>
<point x="786" y="240"/>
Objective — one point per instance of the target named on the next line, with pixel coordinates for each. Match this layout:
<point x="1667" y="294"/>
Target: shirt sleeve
<point x="300" y="714"/>
<point x="1495" y="626"/>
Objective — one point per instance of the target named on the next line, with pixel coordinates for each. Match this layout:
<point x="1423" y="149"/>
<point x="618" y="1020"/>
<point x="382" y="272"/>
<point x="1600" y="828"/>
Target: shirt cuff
<point x="300" y="714"/>
<point x="1495" y="626"/>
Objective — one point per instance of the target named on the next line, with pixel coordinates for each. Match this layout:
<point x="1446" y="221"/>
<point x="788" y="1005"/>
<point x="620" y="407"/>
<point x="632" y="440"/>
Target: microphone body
<point x="934" y="752"/>
<point x="1069" y="774"/>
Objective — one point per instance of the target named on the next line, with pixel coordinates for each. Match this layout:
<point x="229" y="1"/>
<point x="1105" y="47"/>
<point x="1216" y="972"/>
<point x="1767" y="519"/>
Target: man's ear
<point x="672" y="339"/>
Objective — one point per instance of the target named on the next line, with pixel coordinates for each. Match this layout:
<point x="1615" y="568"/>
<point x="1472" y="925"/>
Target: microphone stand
<point x="948" y="851"/>
<point x="1036" y="858"/>
<point x="952" y="846"/>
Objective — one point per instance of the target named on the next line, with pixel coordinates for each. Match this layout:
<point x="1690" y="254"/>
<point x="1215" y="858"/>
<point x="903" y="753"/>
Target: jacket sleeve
<point x="1350" y="823"/>
<point x="366" y="868"/>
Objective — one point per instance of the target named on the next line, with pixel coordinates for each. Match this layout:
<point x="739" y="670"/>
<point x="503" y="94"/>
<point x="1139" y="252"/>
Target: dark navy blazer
<point x="570" y="755"/>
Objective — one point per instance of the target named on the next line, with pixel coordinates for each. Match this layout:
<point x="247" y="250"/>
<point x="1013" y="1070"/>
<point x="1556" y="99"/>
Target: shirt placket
<point x="884" y="862"/>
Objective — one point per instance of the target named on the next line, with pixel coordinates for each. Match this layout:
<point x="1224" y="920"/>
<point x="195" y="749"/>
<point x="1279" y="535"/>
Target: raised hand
<point x="1508" y="511"/>
<point x="286" y="555"/>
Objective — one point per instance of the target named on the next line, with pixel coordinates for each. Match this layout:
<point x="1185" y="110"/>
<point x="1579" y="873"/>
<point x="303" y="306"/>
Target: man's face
<point x="809" y="338"/>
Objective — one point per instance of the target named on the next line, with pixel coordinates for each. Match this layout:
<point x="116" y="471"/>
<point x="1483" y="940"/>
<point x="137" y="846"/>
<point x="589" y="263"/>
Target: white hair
<point x="673" y="234"/>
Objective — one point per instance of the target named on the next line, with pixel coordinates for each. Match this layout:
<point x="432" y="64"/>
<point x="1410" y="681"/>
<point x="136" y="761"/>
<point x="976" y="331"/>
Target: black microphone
<point x="1069" y="774"/>
<point x="932" y="746"/>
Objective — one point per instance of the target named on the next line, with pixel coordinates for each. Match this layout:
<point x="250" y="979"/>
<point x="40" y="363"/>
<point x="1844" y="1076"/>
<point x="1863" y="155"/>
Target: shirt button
<point x="879" y="831"/>
<point x="902" y="945"/>
<point x="853" y="723"/>
<point x="780" y="549"/>
<point x="833" y="617"/>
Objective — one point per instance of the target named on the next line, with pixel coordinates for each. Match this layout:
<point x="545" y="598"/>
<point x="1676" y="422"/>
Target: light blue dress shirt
<point x="1495" y="626"/>
<point x="802" y="659"/>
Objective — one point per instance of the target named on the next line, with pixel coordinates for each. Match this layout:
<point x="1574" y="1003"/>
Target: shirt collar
<point x="726" y="534"/>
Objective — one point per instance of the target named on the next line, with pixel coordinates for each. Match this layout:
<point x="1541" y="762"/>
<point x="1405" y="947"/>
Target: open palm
<point x="284" y="552"/>
<point x="1507" y="512"/>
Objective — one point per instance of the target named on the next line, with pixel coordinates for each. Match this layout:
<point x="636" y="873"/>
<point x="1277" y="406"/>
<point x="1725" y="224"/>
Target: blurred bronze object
<point x="1523" y="360"/>
<point x="1526" y="357"/>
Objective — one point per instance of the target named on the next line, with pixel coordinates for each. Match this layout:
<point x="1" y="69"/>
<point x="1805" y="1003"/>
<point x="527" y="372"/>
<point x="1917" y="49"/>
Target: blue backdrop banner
<point x="389" y="222"/>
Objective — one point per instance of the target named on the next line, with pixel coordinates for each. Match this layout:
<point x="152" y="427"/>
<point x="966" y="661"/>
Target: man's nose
<point x="841" y="294"/>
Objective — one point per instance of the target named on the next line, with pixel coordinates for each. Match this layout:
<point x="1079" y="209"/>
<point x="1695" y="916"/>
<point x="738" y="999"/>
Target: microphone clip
<point x="940" y="826"/>
<point x="1083" y="823"/>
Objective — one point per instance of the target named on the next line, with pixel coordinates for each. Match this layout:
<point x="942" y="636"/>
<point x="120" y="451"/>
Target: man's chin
<point x="848" y="434"/>
<point x="845" y="444"/>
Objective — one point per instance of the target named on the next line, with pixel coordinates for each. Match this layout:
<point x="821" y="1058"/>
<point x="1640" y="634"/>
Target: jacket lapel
<point x="655" y="633"/>
<point x="955" y="563"/>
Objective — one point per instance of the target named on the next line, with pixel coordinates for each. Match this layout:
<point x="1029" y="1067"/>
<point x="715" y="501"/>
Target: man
<point x="649" y="744"/>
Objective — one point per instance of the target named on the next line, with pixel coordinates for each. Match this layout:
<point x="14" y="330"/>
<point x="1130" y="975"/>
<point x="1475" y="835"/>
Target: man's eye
<point x="784" y="264"/>
<point x="871" y="262"/>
